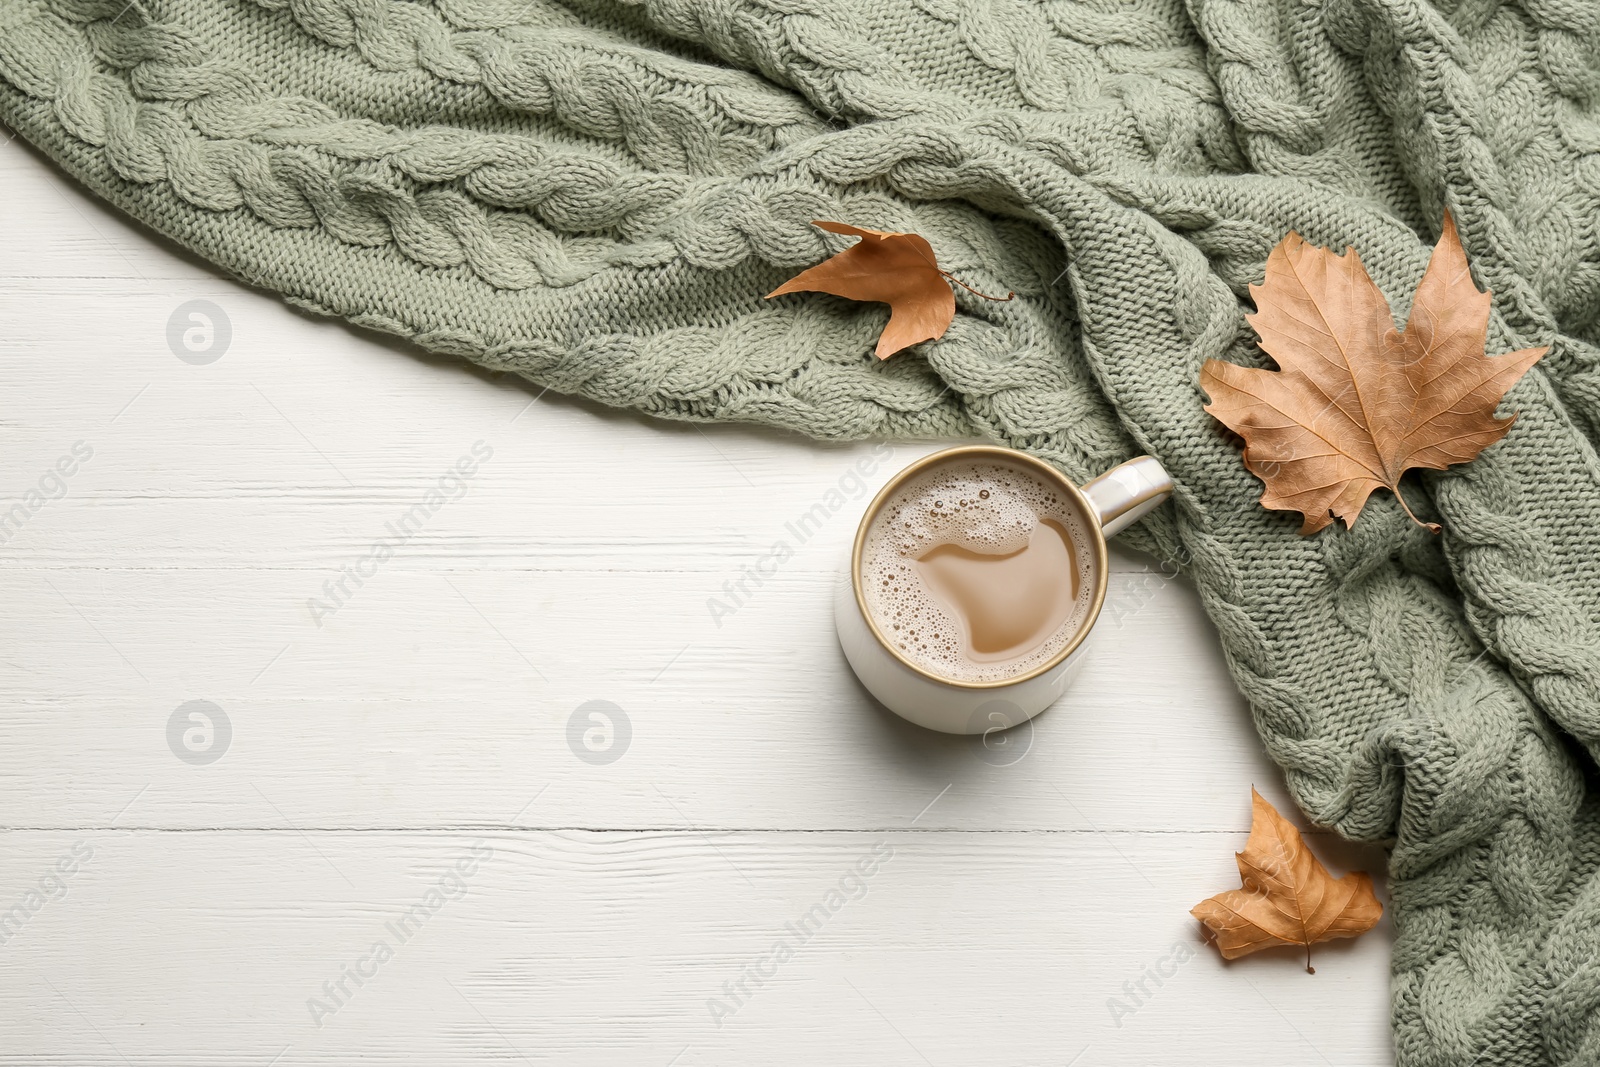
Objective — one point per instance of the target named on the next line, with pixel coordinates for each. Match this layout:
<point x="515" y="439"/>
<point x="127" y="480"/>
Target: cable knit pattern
<point x="671" y="115"/>
<point x="595" y="194"/>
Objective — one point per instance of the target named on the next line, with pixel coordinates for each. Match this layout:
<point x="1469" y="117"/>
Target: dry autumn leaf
<point x="1356" y="403"/>
<point x="1288" y="897"/>
<point x="898" y="269"/>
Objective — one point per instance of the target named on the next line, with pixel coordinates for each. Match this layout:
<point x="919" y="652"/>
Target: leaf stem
<point x="1431" y="527"/>
<point x="952" y="278"/>
<point x="997" y="299"/>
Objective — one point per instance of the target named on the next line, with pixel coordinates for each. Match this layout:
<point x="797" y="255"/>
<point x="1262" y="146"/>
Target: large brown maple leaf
<point x="1357" y="403"/>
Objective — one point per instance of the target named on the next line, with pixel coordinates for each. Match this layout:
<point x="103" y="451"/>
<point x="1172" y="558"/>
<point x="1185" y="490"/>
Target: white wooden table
<point x="577" y="894"/>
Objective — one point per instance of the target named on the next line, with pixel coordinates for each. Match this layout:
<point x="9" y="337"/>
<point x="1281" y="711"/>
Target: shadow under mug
<point x="1105" y="505"/>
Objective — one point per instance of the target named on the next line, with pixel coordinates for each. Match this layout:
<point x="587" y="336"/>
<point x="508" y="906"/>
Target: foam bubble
<point x="986" y="507"/>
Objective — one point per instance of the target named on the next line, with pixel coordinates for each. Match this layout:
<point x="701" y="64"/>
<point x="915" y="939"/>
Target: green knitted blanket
<point x="596" y="195"/>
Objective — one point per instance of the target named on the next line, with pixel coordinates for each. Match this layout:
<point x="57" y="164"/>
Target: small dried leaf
<point x="1356" y="403"/>
<point x="1288" y="897"/>
<point x="898" y="269"/>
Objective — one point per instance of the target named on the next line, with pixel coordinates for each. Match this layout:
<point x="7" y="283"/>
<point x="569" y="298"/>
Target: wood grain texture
<point x="626" y="948"/>
<point x="374" y="744"/>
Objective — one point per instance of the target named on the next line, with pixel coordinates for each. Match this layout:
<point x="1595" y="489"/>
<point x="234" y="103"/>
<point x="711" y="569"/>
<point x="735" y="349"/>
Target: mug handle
<point x="1127" y="492"/>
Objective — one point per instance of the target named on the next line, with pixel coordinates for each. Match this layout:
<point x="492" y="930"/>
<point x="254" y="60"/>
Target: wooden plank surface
<point x="184" y="529"/>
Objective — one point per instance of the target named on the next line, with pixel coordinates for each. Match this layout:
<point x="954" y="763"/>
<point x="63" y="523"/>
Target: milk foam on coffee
<point x="975" y="571"/>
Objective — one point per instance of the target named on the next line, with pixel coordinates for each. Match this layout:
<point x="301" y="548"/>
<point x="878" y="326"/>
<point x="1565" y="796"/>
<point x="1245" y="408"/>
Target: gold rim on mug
<point x="1087" y="512"/>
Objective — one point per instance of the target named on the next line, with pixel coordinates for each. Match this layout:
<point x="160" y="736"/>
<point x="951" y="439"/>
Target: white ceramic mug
<point x="1110" y="502"/>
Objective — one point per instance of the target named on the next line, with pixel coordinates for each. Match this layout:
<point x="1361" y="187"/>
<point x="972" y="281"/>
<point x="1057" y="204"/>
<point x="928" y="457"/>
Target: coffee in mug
<point x="978" y="570"/>
<point x="975" y="578"/>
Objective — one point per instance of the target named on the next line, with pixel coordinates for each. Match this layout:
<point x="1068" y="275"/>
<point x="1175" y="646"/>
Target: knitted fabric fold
<point x="595" y="195"/>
